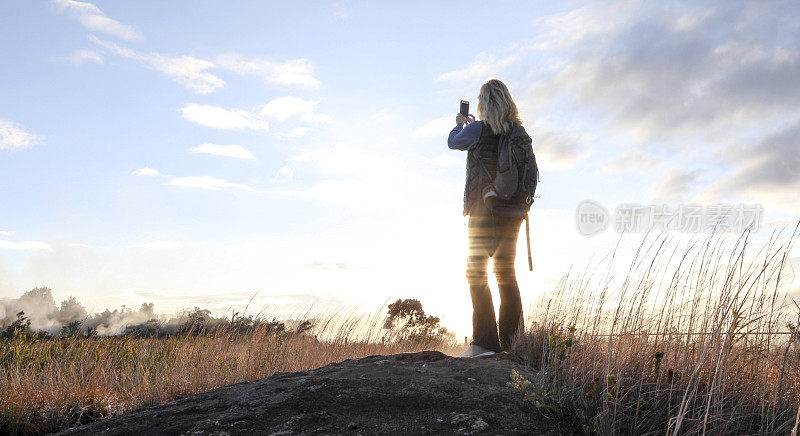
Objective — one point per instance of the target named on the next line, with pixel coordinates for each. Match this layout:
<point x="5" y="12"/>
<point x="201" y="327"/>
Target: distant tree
<point x="199" y="316"/>
<point x="20" y="327"/>
<point x="38" y="305"/>
<point x="72" y="329"/>
<point x="408" y="321"/>
<point x="147" y="329"/>
<point x="242" y="324"/>
<point x="41" y="297"/>
<point x="275" y="327"/>
<point x="71" y="310"/>
<point x="196" y="321"/>
<point x="147" y="308"/>
<point x="304" y="327"/>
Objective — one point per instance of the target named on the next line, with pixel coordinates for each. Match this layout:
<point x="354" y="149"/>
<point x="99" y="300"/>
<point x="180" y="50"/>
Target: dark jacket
<point x="481" y="166"/>
<point x="483" y="157"/>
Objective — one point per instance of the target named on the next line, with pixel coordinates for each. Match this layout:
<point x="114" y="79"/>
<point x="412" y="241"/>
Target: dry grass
<point x="681" y="341"/>
<point x="49" y="385"/>
<point x="692" y="338"/>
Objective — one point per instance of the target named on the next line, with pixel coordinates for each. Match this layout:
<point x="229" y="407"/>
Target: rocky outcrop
<point x="412" y="393"/>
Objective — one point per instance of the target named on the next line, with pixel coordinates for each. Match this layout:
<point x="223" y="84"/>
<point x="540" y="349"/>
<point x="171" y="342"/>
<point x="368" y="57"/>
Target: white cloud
<point x="484" y="67"/>
<point x="692" y="20"/>
<point x="284" y="174"/>
<point x="557" y="150"/>
<point x="438" y="128"/>
<point x="297" y="132"/>
<point x="444" y="160"/>
<point x="25" y="246"/>
<point x="728" y="74"/>
<point x="234" y="151"/>
<point x="5" y="233"/>
<point x="208" y="182"/>
<point x="93" y="19"/>
<point x="339" y="12"/>
<point x="635" y="160"/>
<point x="678" y="185"/>
<point x="280" y="108"/>
<point x="193" y="72"/>
<point x="189" y="71"/>
<point x="146" y="171"/>
<point x="14" y="137"/>
<point x="571" y="28"/>
<point x="767" y="171"/>
<point x="158" y="245"/>
<point x="689" y="84"/>
<point x="285" y="107"/>
<point x="79" y="57"/>
<point x="291" y="72"/>
<point x="220" y="118"/>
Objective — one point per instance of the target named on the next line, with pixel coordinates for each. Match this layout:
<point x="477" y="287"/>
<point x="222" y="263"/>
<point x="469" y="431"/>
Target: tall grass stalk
<point x="692" y="337"/>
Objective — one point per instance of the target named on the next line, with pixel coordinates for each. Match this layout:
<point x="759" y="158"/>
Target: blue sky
<point x="193" y="153"/>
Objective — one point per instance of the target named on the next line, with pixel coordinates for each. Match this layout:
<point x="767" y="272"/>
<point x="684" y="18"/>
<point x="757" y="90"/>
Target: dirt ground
<point x="412" y="393"/>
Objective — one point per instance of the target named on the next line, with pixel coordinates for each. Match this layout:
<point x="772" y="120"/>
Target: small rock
<point x="352" y="426"/>
<point x="315" y="387"/>
<point x="479" y="425"/>
<point x="457" y="418"/>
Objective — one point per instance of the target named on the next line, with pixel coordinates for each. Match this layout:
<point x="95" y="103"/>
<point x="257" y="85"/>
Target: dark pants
<point x="494" y="237"/>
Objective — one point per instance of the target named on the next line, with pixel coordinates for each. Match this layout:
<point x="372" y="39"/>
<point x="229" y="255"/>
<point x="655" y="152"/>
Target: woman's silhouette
<point x="493" y="223"/>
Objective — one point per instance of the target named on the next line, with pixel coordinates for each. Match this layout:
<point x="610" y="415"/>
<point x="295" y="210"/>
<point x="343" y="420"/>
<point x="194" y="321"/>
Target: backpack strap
<point x="528" y="238"/>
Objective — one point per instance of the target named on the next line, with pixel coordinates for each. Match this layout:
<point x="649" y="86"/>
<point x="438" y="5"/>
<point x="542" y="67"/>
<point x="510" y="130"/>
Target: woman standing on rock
<point x="494" y="222"/>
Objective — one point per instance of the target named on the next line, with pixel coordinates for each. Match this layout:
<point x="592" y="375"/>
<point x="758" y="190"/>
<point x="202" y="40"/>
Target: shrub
<point x="407" y="321"/>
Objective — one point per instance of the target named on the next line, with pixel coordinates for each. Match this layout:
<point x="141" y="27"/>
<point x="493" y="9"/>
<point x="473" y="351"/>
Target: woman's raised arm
<point x="464" y="137"/>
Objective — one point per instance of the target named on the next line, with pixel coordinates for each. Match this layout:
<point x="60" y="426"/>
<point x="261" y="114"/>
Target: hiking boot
<point x="476" y="351"/>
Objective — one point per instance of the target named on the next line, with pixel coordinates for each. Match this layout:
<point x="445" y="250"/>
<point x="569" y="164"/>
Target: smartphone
<point x="464" y="108"/>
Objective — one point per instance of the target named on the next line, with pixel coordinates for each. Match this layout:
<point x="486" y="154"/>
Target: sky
<point x="198" y="153"/>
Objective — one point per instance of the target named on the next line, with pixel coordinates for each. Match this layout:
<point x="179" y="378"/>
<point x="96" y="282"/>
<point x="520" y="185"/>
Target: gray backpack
<point x="517" y="172"/>
<point x="517" y="176"/>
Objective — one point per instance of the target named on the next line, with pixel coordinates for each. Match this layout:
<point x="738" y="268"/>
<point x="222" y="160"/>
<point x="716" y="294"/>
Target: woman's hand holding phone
<point x="461" y="119"/>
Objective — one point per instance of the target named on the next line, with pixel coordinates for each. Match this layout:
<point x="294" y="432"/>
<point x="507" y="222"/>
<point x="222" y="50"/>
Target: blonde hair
<point x="496" y="107"/>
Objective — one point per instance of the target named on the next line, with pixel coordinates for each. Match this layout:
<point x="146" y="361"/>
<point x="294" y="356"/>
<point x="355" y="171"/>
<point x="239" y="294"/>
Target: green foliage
<point x="149" y="328"/>
<point x="657" y="357"/>
<point x="196" y="321"/>
<point x="72" y="329"/>
<point x="20" y="327"/>
<point x="545" y="400"/>
<point x="560" y="345"/>
<point x="304" y="327"/>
